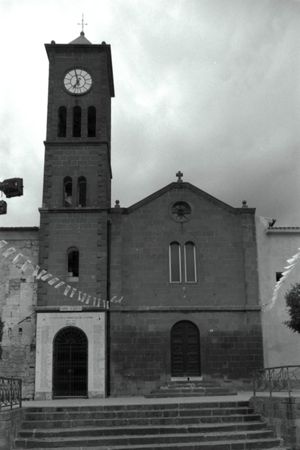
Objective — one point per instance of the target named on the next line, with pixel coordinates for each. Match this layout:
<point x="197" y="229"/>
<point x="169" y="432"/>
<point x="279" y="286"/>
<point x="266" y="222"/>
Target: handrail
<point x="10" y="392"/>
<point x="277" y="379"/>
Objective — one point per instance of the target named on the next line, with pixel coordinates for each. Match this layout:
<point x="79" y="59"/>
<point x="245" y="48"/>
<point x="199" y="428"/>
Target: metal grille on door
<point x="70" y="363"/>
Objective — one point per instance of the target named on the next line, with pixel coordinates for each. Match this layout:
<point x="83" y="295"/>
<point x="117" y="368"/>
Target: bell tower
<point x="78" y="123"/>
<point x="74" y="217"/>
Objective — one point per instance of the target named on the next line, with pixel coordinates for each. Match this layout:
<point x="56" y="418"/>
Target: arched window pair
<point x="182" y="262"/>
<point x="73" y="262"/>
<point x="68" y="199"/>
<point x="76" y="125"/>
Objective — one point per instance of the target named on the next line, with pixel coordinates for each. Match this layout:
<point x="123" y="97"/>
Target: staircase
<point x="191" y="389"/>
<point x="173" y="426"/>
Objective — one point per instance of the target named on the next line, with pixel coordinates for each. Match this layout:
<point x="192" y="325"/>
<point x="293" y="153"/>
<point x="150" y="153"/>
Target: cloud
<point x="205" y="86"/>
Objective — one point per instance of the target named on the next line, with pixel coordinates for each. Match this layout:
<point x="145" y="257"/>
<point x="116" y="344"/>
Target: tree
<point x="292" y="298"/>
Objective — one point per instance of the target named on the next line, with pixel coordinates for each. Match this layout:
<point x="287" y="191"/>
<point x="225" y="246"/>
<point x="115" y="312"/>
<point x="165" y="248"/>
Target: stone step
<point x="142" y="406"/>
<point x="187" y="386"/>
<point x="209" y="425"/>
<point x="192" y="383"/>
<point x="139" y="421"/>
<point x="266" y="444"/>
<point x="132" y="414"/>
<point x="112" y="441"/>
<point x="191" y="388"/>
<point x="142" y="430"/>
<point x="168" y="393"/>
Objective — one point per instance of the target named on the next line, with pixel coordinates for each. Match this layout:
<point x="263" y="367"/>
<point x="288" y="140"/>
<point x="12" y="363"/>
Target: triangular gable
<point x="185" y="185"/>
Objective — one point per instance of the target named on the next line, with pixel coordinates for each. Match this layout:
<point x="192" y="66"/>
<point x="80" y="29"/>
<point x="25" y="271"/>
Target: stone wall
<point x="10" y="421"/>
<point x="222" y="302"/>
<point x="225" y="243"/>
<point x="230" y="347"/>
<point x="283" y="415"/>
<point x="17" y="301"/>
<point x="61" y="231"/>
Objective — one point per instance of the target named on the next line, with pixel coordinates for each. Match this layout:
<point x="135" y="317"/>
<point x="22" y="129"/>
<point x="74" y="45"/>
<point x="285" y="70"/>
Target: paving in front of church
<point x="140" y="400"/>
<point x="242" y="396"/>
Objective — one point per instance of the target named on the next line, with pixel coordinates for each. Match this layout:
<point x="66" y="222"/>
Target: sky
<point x="208" y="87"/>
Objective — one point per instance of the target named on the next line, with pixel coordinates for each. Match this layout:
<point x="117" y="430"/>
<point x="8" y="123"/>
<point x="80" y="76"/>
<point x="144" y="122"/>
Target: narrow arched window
<point x="91" y="121"/>
<point x="62" y="121"/>
<point x="190" y="270"/>
<point x="67" y="193"/>
<point x="175" y="262"/>
<point x="76" y="121"/>
<point x="73" y="262"/>
<point x="81" y="191"/>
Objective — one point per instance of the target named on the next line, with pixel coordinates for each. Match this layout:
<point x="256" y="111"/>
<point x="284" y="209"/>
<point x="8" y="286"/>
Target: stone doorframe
<point x="93" y="325"/>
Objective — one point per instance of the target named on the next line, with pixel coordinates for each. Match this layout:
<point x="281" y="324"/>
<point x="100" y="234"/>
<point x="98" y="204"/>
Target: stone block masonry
<point x="17" y="316"/>
<point x="10" y="421"/>
<point x="282" y="414"/>
<point x="230" y="347"/>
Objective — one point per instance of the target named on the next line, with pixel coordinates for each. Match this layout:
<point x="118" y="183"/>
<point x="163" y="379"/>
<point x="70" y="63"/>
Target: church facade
<point x="109" y="300"/>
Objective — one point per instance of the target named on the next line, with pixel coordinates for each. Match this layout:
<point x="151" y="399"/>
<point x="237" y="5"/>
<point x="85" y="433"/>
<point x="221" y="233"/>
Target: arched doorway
<point x="185" y="350"/>
<point x="70" y="351"/>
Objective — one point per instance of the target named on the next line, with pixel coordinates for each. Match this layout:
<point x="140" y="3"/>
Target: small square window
<point x="278" y="275"/>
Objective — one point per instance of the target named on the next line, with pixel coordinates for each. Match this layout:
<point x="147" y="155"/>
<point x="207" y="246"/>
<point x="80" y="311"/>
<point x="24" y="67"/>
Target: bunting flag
<point x="41" y="274"/>
<point x="287" y="270"/>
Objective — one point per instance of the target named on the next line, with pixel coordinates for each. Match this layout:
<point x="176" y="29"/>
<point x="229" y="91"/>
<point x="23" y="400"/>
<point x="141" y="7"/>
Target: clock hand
<point x="77" y="78"/>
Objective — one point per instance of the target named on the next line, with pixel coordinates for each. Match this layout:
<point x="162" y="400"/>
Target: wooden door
<point x="185" y="350"/>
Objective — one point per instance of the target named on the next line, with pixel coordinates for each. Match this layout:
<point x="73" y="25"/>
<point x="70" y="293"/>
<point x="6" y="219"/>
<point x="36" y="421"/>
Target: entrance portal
<point x="185" y="350"/>
<point x="70" y="350"/>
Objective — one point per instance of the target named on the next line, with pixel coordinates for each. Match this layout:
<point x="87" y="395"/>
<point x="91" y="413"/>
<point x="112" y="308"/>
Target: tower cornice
<point x="76" y="143"/>
<point x="74" y="210"/>
<point x="54" y="48"/>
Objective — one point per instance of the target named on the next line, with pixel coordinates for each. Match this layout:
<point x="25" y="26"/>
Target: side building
<point x="19" y="249"/>
<point x="278" y="249"/>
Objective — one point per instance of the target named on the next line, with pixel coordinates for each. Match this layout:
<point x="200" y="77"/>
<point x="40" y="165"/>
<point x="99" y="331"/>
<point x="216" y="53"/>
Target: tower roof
<point x="81" y="40"/>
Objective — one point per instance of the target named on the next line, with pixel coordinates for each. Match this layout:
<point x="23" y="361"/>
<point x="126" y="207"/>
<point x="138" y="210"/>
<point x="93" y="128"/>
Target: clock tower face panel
<point x="78" y="81"/>
<point x="80" y="76"/>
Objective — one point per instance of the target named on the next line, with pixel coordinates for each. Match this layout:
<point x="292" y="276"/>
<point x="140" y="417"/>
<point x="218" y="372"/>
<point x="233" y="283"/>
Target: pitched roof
<point x="81" y="40"/>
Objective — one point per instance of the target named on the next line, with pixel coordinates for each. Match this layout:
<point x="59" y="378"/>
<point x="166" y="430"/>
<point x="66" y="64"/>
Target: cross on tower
<point x="82" y="23"/>
<point x="179" y="175"/>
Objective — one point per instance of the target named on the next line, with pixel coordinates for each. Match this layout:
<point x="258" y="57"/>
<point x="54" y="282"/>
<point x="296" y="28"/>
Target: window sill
<point x="72" y="279"/>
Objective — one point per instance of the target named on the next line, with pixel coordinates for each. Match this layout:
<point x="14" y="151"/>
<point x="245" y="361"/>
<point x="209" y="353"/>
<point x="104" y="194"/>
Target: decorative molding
<point x="186" y="309"/>
<point x="282" y="230"/>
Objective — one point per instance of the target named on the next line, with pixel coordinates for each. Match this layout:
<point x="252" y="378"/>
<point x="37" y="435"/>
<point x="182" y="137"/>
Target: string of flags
<point x="55" y="282"/>
<point x="291" y="263"/>
<point x="83" y="297"/>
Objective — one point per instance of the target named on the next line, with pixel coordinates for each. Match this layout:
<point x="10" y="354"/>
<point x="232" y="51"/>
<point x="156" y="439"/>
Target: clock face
<point x="181" y="211"/>
<point x="78" y="81"/>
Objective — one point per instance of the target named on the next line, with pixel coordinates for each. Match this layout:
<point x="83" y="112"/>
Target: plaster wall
<point x="281" y="345"/>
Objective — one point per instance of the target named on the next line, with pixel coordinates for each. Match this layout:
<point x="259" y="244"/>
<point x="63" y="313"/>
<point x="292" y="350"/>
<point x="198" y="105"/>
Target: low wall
<point x="9" y="423"/>
<point x="282" y="414"/>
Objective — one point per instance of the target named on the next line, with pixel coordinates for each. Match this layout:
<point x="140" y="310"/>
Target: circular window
<point x="181" y="211"/>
